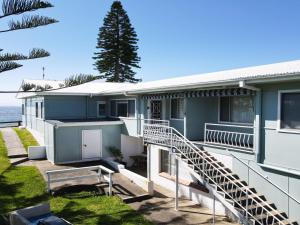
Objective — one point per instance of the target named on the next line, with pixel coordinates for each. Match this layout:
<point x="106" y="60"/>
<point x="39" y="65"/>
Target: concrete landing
<point x="161" y="210"/>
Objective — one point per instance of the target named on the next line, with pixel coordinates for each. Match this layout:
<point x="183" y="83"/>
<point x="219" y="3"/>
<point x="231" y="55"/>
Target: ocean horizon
<point x="10" y="113"/>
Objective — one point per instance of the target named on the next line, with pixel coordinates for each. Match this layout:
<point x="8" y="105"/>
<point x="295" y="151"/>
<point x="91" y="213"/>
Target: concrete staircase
<point x="235" y="194"/>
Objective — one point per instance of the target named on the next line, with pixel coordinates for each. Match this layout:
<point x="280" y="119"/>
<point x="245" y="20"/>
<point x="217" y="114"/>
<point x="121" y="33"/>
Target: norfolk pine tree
<point x="8" y="61"/>
<point x="117" y="42"/>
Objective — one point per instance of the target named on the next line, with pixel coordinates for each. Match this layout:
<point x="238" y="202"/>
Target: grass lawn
<point x="24" y="186"/>
<point x="26" y="138"/>
<point x="19" y="186"/>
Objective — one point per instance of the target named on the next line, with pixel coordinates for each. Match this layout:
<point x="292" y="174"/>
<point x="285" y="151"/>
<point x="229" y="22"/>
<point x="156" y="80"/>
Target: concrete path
<point x="160" y="210"/>
<point x="15" y="149"/>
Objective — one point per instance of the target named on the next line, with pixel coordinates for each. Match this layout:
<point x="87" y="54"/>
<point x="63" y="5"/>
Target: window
<point x="177" y="108"/>
<point x="41" y="109"/>
<point x="101" y="109"/>
<point x="113" y="108"/>
<point x="23" y="109"/>
<point x="236" y="109"/>
<point x="167" y="162"/>
<point x="122" y="108"/>
<point x="289" y="110"/>
<point x="36" y="110"/>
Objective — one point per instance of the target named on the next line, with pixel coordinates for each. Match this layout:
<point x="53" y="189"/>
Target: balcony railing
<point x="227" y="135"/>
<point x="157" y="122"/>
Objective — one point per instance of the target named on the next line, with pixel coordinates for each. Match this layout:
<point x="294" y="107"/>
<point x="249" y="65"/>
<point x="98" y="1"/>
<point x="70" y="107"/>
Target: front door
<point x="156" y="109"/>
<point x="91" y="144"/>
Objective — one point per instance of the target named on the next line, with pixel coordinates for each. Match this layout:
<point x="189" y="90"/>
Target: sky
<point x="176" y="37"/>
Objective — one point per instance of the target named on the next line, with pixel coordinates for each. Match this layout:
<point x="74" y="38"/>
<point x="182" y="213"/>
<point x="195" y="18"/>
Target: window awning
<point x="203" y="93"/>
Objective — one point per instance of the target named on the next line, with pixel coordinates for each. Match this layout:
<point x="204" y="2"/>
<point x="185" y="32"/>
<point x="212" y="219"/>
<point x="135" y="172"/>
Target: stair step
<point x="237" y="181"/>
<point x="245" y="188"/>
<point x="232" y="175"/>
<point x="269" y="216"/>
<point x="286" y="222"/>
<point x="249" y="197"/>
<point x="264" y="204"/>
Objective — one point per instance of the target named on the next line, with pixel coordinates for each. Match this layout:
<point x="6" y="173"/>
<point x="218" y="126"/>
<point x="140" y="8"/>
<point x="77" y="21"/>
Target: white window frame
<point x="170" y="109"/>
<point x="116" y="109"/>
<point x="279" y="101"/>
<point x="229" y="122"/>
<point x="101" y="103"/>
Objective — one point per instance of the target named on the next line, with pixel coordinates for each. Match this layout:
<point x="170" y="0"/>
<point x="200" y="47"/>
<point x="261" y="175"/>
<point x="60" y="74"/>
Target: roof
<point x="53" y="83"/>
<point x="283" y="70"/>
<point x="277" y="71"/>
<point x="93" y="87"/>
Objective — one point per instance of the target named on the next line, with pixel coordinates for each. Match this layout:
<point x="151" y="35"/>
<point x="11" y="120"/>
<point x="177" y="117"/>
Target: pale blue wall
<point x="279" y="149"/>
<point x="198" y="112"/>
<point x="65" y="107"/>
<point x="68" y="141"/>
<point x="30" y="119"/>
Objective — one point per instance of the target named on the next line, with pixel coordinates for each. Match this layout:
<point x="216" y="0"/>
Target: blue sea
<point x="10" y="113"/>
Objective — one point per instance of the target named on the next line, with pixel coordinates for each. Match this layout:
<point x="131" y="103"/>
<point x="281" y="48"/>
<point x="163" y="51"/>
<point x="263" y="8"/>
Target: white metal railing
<point x="97" y="172"/>
<point x="157" y="122"/>
<point x="215" y="174"/>
<point x="235" y="136"/>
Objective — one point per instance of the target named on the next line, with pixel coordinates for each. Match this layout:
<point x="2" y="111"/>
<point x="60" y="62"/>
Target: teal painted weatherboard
<point x="68" y="141"/>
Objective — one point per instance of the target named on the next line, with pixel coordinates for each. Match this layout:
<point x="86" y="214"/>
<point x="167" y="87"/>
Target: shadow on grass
<point x="20" y="187"/>
<point x="86" y="204"/>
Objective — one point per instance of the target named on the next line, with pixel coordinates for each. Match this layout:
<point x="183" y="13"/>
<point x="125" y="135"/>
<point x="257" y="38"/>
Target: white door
<point x="91" y="144"/>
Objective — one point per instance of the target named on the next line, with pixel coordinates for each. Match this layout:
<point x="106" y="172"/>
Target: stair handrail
<point x="264" y="177"/>
<point x="266" y="211"/>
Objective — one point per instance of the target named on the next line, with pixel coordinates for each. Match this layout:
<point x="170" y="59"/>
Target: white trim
<point x="94" y="123"/>
<point x="229" y="122"/>
<point x="170" y="109"/>
<point x="77" y="161"/>
<point x="279" y="101"/>
<point x="101" y="103"/>
<point x="280" y="169"/>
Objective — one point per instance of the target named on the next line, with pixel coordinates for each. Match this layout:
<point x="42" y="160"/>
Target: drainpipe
<point x="257" y="126"/>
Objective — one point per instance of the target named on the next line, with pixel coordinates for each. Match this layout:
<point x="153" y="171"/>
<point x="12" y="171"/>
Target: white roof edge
<point x="263" y="73"/>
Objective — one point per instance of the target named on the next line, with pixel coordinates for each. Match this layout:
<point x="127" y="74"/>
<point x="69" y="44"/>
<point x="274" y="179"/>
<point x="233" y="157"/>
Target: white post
<point x="176" y="185"/>
<point x="110" y="185"/>
<point x="148" y="163"/>
<point x="99" y="174"/>
<point x="214" y="210"/>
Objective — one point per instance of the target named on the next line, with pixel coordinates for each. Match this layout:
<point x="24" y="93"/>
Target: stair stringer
<point x="213" y="190"/>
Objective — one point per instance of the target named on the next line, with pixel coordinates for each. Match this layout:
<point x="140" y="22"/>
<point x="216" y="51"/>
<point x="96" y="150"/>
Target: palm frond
<point x="12" y="57"/>
<point x="13" y="7"/>
<point x="38" y="53"/>
<point x="6" y="66"/>
<point x="28" y="22"/>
